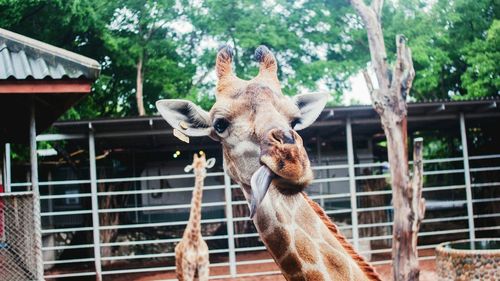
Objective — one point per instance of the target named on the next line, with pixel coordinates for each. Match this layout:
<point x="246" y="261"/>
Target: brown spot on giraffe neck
<point x="305" y="247"/>
<point x="278" y="241"/>
<point x="263" y="224"/>
<point x="338" y="266"/>
<point x="291" y="264"/>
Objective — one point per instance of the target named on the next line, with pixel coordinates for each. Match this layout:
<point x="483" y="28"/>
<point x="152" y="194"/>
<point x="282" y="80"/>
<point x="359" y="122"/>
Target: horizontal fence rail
<point x="380" y="255"/>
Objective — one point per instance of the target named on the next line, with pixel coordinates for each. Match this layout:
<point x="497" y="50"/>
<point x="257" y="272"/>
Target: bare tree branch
<point x="360" y="6"/>
<point x="375" y="40"/>
<point x="404" y="73"/>
<point x="368" y="81"/>
<point x="376" y="6"/>
<point x="202" y="77"/>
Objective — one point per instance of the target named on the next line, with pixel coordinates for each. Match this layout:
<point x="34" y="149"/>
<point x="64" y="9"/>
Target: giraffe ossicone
<point x="257" y="127"/>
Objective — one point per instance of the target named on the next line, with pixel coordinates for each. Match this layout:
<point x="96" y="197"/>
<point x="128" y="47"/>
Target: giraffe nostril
<point x="282" y="137"/>
<point x="288" y="138"/>
<point x="275" y="136"/>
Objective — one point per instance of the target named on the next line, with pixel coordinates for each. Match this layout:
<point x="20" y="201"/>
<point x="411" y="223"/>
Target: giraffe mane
<point x="367" y="269"/>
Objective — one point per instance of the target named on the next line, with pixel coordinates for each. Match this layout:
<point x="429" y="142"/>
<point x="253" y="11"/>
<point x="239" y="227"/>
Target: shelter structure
<point x="38" y="83"/>
<point x="129" y="173"/>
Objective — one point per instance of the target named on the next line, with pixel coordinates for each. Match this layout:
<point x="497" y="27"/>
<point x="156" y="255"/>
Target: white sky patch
<point x="359" y="94"/>
<point x="325" y="12"/>
<point x="124" y="19"/>
<point x="182" y="26"/>
<point x="321" y="84"/>
<point x="298" y="3"/>
<point x="428" y="5"/>
<point x="323" y="27"/>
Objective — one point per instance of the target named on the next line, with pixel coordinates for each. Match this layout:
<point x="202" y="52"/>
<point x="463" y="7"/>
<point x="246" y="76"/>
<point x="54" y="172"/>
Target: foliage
<point x="482" y="76"/>
<point x="319" y="44"/>
<point x="453" y="57"/>
<point x="298" y="41"/>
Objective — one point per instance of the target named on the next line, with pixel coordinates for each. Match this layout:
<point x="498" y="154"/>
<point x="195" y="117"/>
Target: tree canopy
<point x="319" y="44"/>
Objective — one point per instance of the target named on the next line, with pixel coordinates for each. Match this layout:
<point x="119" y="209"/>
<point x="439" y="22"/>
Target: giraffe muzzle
<point x="283" y="152"/>
<point x="285" y="166"/>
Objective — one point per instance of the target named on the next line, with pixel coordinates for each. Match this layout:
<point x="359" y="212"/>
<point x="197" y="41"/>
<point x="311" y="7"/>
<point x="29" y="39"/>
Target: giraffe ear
<point x="210" y="163"/>
<point x="310" y="106"/>
<point x="186" y="117"/>
<point x="188" y="168"/>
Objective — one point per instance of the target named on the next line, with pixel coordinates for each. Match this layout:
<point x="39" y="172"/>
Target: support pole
<point x="468" y="186"/>
<point x="229" y="223"/>
<point x="7" y="169"/>
<point x="95" y="206"/>
<point x="33" y="155"/>
<point x="321" y="191"/>
<point x="352" y="184"/>
<point x="36" y="194"/>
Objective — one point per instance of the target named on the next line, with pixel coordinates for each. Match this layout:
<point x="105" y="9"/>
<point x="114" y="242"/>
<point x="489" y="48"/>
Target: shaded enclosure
<point x="129" y="174"/>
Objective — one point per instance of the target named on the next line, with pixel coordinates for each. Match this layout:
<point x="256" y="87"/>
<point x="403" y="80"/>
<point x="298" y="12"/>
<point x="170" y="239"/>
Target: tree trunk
<point x="408" y="205"/>
<point x="389" y="100"/>
<point x="107" y="219"/>
<point x="139" y="83"/>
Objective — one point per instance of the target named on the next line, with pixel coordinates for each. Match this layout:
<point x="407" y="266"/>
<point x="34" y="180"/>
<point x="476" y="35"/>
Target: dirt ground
<point x="427" y="271"/>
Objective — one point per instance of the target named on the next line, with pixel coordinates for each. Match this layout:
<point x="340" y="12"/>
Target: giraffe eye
<point x="220" y="125"/>
<point x="295" y="122"/>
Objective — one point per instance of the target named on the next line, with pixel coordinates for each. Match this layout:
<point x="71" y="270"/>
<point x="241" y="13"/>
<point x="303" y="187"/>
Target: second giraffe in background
<point x="191" y="254"/>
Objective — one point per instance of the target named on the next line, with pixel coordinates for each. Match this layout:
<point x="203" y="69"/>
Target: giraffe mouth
<point x="261" y="181"/>
<point x="284" y="164"/>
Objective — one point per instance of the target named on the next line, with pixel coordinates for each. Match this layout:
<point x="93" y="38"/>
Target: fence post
<point x="36" y="194"/>
<point x="352" y="184"/>
<point x="6" y="167"/>
<point x="321" y="191"/>
<point x="468" y="188"/>
<point x="95" y="205"/>
<point x="229" y="223"/>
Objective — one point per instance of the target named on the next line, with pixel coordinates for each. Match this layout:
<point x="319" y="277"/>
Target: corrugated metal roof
<point x="25" y="58"/>
<point x="414" y="108"/>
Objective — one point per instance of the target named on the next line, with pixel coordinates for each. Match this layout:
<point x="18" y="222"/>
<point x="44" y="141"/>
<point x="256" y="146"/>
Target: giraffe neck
<point x="193" y="229"/>
<point x="305" y="245"/>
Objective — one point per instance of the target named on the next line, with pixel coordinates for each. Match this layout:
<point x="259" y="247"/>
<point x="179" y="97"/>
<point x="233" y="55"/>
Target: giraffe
<point x="191" y="254"/>
<point x="256" y="125"/>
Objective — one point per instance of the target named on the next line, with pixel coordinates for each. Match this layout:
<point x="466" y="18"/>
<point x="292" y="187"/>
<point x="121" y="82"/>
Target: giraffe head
<point x="256" y="125"/>
<point x="200" y="165"/>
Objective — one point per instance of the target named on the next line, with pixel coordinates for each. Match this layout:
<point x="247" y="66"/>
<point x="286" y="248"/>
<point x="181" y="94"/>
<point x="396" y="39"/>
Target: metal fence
<point x="19" y="258"/>
<point x="462" y="228"/>
<point x="464" y="207"/>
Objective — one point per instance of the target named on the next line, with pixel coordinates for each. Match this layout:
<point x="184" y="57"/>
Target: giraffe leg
<point x="203" y="272"/>
<point x="178" y="261"/>
<point x="203" y="262"/>
<point x="178" y="269"/>
<point x="188" y="270"/>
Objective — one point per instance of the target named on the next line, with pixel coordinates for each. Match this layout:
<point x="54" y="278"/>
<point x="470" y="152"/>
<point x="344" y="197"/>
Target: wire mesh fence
<point x="19" y="252"/>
